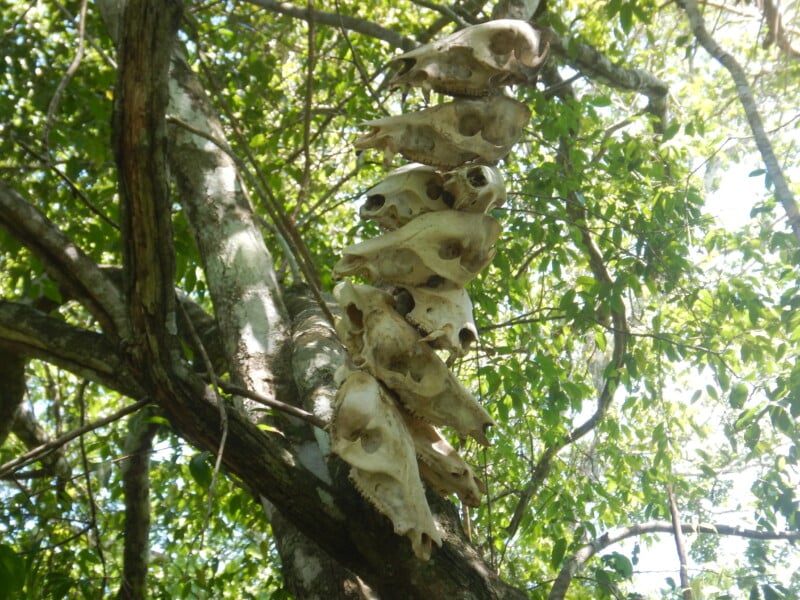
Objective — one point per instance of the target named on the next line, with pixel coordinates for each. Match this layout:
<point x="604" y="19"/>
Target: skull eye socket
<point x="435" y="281"/>
<point x="448" y="199"/>
<point x="476" y="177"/>
<point x="433" y="189"/>
<point x="356" y="316"/>
<point x="374" y="202"/>
<point x="371" y="441"/>
<point x="450" y="249"/>
<point x="404" y="302"/>
<point x="470" y="124"/>
<point x="406" y="65"/>
<point x="466" y="338"/>
<point x="502" y="42"/>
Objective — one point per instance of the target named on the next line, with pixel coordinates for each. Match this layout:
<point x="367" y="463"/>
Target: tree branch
<point x="579" y="218"/>
<point x="777" y="31"/>
<point x="582" y="556"/>
<point x="44" y="449"/>
<point x="147" y="32"/>
<point x="30" y="433"/>
<point x="596" y="65"/>
<point x="65" y="262"/>
<point x="30" y="333"/>
<point x="135" y="470"/>
<point x="781" y="186"/>
<point x="677" y="533"/>
<point x="12" y="389"/>
<point x="338" y="20"/>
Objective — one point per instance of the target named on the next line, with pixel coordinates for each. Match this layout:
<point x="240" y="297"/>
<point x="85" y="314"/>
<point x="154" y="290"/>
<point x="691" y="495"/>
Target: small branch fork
<point x="781" y="185"/>
<point x="43" y="450"/>
<point x="582" y="556"/>
<point x="686" y="586"/>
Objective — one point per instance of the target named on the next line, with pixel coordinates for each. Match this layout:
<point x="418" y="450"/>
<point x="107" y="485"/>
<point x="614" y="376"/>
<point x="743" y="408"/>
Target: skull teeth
<point x="430" y="249"/>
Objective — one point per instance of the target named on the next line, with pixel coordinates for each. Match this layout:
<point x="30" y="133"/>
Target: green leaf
<point x="559" y="548"/>
<point x="781" y="420"/>
<point x="738" y="395"/>
<point x="626" y="17"/>
<point x="12" y="572"/>
<point x="200" y="468"/>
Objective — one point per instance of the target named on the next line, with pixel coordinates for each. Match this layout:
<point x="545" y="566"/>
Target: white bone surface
<point x="369" y="433"/>
<point x="444" y="317"/>
<point x="405" y="193"/>
<point x="475" y="60"/>
<point x="451" y="134"/>
<point x="440" y="465"/>
<point x="382" y="343"/>
<point x="444" y="249"/>
<point x="475" y="188"/>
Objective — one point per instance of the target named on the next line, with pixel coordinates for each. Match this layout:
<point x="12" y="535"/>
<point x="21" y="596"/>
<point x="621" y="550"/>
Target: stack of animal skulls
<point x="437" y="237"/>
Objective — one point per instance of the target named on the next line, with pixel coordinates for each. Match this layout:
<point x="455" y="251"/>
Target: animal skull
<point x="380" y="341"/>
<point x="441" y="466"/>
<point x="443" y="249"/>
<point x="405" y="193"/>
<point x="370" y="434"/>
<point x="449" y="135"/>
<point x="475" y="188"/>
<point x="475" y="60"/>
<point x="443" y="316"/>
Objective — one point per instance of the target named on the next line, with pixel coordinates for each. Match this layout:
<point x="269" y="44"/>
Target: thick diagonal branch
<point x="32" y="334"/>
<point x="66" y="263"/>
<point x="135" y="470"/>
<point x="575" y="563"/>
<point x="781" y="186"/>
<point x="12" y="389"/>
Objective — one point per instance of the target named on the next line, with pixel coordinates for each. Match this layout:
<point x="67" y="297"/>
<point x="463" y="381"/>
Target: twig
<point x="223" y="415"/>
<point x="48" y="447"/>
<point x="781" y="186"/>
<point x="68" y="75"/>
<point x="582" y="556"/>
<point x="306" y="416"/>
<point x="679" y="545"/>
<point x="96" y="538"/>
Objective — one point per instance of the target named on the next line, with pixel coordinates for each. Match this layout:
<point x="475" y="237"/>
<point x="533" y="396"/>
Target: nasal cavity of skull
<point x="371" y="441"/>
<point x="470" y="124"/>
<point x="433" y="188"/>
<point x="403" y="301"/>
<point x="374" y="202"/>
<point x="355" y="316"/>
<point x="476" y="178"/>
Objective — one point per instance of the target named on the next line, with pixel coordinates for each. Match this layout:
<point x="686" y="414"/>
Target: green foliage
<point x="706" y="390"/>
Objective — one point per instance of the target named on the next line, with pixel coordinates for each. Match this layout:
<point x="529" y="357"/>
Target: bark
<point x="136" y="486"/>
<point x="12" y="389"/>
<point x="328" y="512"/>
<point x="67" y="264"/>
<point x="776" y="30"/>
<point x="252" y="319"/>
<point x="680" y="547"/>
<point x="309" y="572"/>
<point x="576" y="562"/>
<point x="781" y="186"/>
